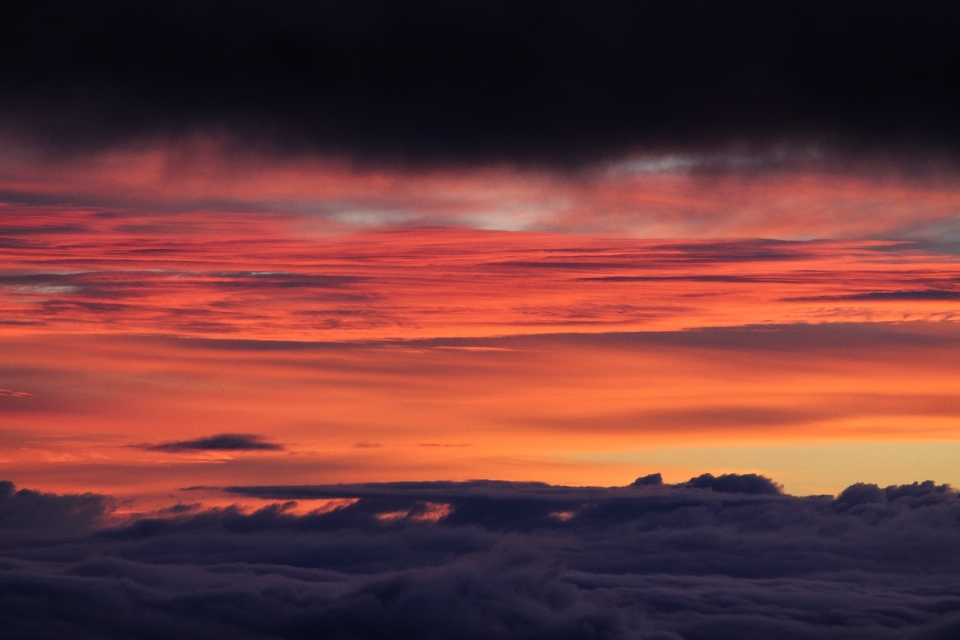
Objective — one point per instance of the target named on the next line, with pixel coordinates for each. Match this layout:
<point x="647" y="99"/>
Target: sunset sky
<point x="480" y="320"/>
<point x="583" y="256"/>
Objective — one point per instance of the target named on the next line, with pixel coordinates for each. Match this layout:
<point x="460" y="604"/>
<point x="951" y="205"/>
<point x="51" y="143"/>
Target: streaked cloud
<point x="219" y="442"/>
<point x="257" y="277"/>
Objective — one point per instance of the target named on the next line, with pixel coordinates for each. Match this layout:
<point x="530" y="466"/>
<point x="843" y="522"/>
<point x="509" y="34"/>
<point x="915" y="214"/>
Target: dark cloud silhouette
<point x="31" y="514"/>
<point x="923" y="294"/>
<point x="651" y="479"/>
<point x="861" y="493"/>
<point x="220" y="442"/>
<point x="750" y="483"/>
<point x="504" y="560"/>
<point x="554" y="83"/>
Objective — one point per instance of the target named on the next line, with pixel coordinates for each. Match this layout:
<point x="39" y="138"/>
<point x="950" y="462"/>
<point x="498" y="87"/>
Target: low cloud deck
<point x="504" y="560"/>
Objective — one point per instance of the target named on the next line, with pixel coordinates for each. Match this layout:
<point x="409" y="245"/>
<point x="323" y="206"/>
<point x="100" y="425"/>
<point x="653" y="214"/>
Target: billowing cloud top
<point x="558" y="83"/>
<point x="500" y="560"/>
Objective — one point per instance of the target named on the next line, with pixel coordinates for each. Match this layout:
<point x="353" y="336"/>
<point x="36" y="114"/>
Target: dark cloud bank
<point x="555" y="82"/>
<point x="727" y="557"/>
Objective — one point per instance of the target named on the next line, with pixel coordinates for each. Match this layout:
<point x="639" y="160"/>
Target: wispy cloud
<point x="259" y="278"/>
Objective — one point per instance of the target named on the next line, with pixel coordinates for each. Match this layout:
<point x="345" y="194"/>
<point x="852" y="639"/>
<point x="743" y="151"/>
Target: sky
<point x="398" y="241"/>
<point x="516" y="319"/>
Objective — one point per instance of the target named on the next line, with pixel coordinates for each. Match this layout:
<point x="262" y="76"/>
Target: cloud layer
<point x="501" y="560"/>
<point x="554" y="83"/>
<point x="259" y="277"/>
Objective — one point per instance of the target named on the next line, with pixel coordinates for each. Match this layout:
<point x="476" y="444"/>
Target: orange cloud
<point x="254" y="278"/>
<point x="314" y="308"/>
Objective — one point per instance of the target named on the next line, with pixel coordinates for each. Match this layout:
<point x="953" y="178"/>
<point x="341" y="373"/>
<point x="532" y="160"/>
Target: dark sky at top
<point x="554" y="83"/>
